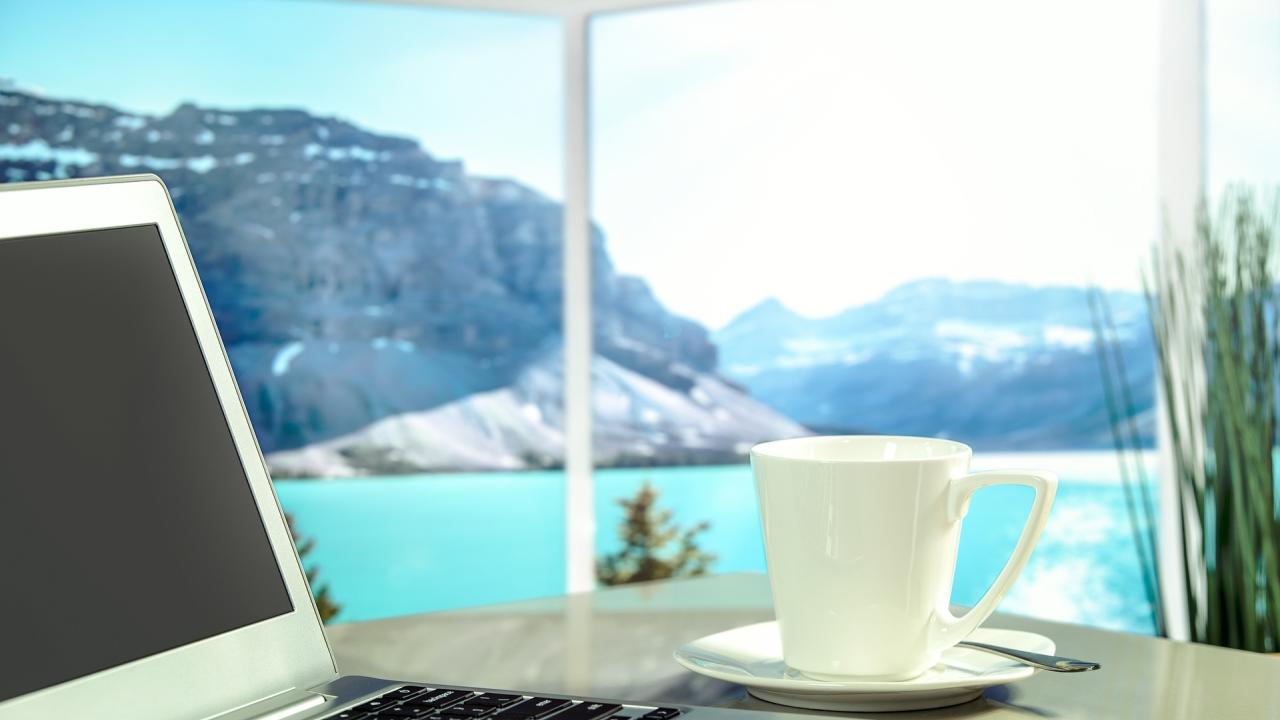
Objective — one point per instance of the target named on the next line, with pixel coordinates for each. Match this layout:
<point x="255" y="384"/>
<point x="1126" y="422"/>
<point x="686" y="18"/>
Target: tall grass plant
<point x="1215" y="317"/>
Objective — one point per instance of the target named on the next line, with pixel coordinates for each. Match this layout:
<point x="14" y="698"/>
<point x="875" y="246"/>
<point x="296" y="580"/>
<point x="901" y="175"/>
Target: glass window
<point x="371" y="196"/>
<point x="880" y="217"/>
<point x="1242" y="93"/>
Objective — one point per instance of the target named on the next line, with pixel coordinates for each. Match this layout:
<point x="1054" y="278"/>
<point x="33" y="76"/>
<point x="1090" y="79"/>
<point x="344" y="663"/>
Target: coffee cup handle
<point x="949" y="629"/>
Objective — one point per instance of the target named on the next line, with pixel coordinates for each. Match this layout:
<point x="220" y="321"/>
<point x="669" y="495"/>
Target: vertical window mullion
<point x="579" y="492"/>
<point x="1181" y="185"/>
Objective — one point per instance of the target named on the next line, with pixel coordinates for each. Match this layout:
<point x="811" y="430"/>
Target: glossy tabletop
<point x="618" y="642"/>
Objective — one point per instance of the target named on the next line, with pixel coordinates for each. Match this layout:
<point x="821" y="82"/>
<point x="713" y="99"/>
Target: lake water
<point x="398" y="545"/>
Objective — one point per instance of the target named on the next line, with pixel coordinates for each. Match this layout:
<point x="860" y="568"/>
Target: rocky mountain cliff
<point x="358" y="280"/>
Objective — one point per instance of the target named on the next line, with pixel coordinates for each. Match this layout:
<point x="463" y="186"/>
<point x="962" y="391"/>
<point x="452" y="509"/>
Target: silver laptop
<point x="146" y="570"/>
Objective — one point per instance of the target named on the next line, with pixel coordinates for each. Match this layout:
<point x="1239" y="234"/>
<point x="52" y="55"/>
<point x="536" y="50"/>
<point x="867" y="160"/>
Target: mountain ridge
<point x="362" y="284"/>
<point x="1003" y="366"/>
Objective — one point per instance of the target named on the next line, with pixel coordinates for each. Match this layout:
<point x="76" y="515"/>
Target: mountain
<point x="360" y="283"/>
<point x="999" y="365"/>
<point x="638" y="421"/>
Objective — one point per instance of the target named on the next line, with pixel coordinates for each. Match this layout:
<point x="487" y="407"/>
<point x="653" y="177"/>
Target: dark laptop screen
<point x="127" y="526"/>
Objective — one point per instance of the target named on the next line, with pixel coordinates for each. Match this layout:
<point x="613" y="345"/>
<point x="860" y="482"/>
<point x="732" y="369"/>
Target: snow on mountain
<point x="1002" y="365"/>
<point x="637" y="421"/>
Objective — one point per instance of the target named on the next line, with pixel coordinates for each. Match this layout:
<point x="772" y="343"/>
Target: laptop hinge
<point x="288" y="704"/>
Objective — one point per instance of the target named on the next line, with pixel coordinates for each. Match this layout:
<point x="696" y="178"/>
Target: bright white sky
<point x="1243" y="92"/>
<point x="824" y="152"/>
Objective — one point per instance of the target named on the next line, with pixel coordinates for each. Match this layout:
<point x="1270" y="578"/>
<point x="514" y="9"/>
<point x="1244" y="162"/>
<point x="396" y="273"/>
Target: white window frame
<point x="1181" y="171"/>
<point x="1181" y="182"/>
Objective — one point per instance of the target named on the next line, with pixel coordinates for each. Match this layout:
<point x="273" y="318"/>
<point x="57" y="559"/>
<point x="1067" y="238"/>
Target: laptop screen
<point x="127" y="525"/>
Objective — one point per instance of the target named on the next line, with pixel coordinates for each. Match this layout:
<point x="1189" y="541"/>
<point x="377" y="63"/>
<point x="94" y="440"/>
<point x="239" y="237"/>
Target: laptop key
<point x="534" y="708"/>
<point x="662" y="713"/>
<point x="442" y="698"/>
<point x="588" y="711"/>
<point x="467" y="710"/>
<point x="402" y="693"/>
<point x="405" y="711"/>
<point x="374" y="705"/>
<point x="496" y="699"/>
<point x="347" y="715"/>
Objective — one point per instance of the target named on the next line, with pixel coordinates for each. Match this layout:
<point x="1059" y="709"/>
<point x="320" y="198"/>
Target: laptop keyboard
<point x="416" y="701"/>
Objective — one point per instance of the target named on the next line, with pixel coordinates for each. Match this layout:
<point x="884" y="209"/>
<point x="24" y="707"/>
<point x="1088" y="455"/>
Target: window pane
<point x="1242" y="89"/>
<point x="879" y="217"/>
<point x="370" y="194"/>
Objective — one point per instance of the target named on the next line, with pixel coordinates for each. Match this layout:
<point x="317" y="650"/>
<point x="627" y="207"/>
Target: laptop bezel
<point x="216" y="675"/>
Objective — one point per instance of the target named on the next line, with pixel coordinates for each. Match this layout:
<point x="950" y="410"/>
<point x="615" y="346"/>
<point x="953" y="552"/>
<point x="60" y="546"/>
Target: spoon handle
<point x="1052" y="663"/>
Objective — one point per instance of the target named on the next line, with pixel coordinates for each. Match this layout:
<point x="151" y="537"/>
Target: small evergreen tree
<point x="327" y="608"/>
<point x="646" y="532"/>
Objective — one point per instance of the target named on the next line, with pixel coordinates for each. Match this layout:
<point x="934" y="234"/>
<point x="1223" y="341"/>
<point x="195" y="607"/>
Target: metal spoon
<point x="1052" y="663"/>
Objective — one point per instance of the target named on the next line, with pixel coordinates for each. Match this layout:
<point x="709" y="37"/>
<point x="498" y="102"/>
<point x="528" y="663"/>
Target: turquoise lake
<point x="396" y="545"/>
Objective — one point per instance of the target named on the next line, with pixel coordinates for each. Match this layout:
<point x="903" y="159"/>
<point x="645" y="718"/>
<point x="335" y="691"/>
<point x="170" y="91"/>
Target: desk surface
<point x="618" y="642"/>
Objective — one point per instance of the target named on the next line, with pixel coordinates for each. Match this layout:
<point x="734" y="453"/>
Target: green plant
<point x="325" y="604"/>
<point x="1123" y="416"/>
<point x="1215" y="316"/>
<point x="646" y="532"/>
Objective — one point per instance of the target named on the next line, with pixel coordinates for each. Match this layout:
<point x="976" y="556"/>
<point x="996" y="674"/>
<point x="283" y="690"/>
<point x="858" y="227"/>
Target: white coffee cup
<point x="861" y="535"/>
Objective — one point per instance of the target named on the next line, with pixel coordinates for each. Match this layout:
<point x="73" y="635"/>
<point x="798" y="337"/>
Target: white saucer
<point x="752" y="656"/>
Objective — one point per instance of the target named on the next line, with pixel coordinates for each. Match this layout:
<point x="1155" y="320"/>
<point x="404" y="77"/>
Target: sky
<point x="862" y="145"/>
<point x="1242" y="85"/>
<point x="825" y="152"/>
<point x="821" y="152"/>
